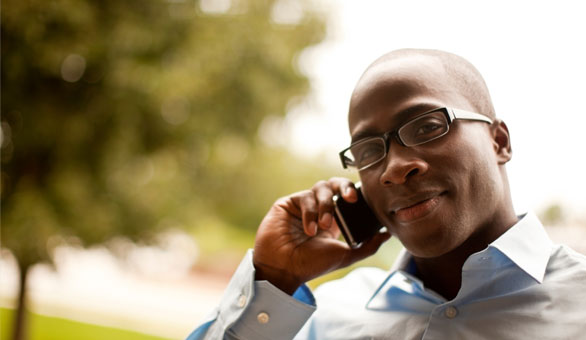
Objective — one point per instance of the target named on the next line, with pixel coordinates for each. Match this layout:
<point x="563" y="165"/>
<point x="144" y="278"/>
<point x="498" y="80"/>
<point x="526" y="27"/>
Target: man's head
<point x="450" y="192"/>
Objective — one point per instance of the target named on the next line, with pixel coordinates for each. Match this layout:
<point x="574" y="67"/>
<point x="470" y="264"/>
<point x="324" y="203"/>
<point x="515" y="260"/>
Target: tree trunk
<point x="20" y="329"/>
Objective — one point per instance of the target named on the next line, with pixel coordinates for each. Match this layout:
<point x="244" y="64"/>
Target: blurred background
<point x="144" y="140"/>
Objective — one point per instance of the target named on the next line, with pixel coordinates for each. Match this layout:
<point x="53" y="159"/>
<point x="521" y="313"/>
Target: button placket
<point x="451" y="312"/>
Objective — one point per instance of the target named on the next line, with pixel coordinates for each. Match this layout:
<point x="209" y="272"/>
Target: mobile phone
<point x="356" y="221"/>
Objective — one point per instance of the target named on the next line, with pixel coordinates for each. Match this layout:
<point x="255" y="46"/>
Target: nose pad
<point x="401" y="164"/>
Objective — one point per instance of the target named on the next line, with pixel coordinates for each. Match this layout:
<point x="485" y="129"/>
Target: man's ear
<point x="501" y="141"/>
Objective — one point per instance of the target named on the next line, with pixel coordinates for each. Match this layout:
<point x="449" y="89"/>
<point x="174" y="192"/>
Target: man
<point x="431" y="157"/>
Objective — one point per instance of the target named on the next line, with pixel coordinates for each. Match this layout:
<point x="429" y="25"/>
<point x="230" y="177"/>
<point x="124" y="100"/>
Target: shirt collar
<point x="526" y="244"/>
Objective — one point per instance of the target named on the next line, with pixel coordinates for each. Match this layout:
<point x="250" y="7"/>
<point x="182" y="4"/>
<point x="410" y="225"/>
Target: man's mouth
<point x="416" y="209"/>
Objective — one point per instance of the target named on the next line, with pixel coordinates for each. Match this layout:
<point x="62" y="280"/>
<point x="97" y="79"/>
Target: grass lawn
<point x="51" y="328"/>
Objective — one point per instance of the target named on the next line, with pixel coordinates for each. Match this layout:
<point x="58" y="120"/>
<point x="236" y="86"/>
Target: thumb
<point x="368" y="248"/>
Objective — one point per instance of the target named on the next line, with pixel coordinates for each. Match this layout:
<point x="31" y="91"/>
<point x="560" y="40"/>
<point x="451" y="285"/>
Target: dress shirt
<point x="521" y="286"/>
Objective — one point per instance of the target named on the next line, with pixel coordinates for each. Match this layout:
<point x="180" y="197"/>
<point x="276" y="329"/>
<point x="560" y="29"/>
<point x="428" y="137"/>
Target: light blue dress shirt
<point x="521" y="286"/>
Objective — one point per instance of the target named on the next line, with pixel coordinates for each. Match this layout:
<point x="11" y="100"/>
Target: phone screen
<point x="356" y="220"/>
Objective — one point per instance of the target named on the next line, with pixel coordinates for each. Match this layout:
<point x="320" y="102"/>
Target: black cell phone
<point x="356" y="220"/>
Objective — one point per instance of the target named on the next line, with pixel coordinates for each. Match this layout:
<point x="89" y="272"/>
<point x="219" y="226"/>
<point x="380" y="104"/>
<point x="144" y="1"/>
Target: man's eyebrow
<point x="364" y="134"/>
<point x="398" y="119"/>
<point x="414" y="110"/>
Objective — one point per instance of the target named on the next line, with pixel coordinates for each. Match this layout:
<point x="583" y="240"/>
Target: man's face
<point x="435" y="196"/>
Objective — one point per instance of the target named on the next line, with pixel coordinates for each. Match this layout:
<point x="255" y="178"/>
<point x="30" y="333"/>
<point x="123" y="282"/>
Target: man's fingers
<point x="334" y="229"/>
<point x="344" y="187"/>
<point x="324" y="195"/>
<point x="309" y="212"/>
<point x="317" y="206"/>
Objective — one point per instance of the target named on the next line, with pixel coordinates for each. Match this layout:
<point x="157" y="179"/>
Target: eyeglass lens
<point x="424" y="129"/>
<point x="418" y="131"/>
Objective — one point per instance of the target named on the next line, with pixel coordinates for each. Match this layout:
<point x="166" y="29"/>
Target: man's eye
<point x="368" y="152"/>
<point x="429" y="128"/>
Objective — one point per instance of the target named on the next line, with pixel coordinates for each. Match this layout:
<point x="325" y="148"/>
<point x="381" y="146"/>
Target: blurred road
<point x="93" y="286"/>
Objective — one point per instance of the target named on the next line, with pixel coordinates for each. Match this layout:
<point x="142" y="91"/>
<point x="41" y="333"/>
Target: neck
<point x="443" y="274"/>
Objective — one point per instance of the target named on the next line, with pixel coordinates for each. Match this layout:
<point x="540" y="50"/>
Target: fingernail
<point x="313" y="228"/>
<point x="326" y="220"/>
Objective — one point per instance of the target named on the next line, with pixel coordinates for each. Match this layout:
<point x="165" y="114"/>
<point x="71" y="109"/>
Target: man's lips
<point x="416" y="207"/>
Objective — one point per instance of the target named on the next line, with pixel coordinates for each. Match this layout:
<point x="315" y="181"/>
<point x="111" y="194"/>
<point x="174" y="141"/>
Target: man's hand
<point x="298" y="238"/>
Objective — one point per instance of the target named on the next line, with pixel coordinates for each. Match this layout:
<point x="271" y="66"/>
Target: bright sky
<point x="531" y="53"/>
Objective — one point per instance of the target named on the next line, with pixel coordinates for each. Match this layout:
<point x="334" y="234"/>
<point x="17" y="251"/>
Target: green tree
<point x="117" y="115"/>
<point x="553" y="214"/>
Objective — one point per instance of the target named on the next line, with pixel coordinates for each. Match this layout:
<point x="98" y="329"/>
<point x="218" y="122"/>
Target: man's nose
<point x="400" y="164"/>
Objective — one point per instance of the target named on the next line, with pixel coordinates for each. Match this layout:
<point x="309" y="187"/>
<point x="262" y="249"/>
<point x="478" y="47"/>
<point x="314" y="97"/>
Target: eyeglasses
<point x="424" y="128"/>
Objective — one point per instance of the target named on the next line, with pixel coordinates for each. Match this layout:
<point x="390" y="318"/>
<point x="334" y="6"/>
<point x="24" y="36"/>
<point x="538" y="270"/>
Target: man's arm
<point x="297" y="241"/>
<point x="256" y="309"/>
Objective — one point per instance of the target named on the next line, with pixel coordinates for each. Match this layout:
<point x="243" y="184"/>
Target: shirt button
<point x="241" y="300"/>
<point x="451" y="312"/>
<point x="262" y="317"/>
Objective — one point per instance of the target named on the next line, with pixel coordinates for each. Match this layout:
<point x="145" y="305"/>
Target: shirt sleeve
<point x="256" y="310"/>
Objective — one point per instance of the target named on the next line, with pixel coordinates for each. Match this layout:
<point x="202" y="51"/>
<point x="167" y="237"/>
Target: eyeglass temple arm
<point x="463" y="114"/>
<point x="343" y="159"/>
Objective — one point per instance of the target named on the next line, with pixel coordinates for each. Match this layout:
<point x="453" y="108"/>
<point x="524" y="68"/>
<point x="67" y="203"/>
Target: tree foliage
<point x="125" y="117"/>
<point x="119" y="113"/>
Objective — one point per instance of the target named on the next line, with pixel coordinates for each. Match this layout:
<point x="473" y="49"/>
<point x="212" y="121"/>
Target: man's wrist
<point x="278" y="278"/>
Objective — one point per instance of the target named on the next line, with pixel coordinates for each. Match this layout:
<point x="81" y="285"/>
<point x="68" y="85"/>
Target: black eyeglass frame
<point x="451" y="114"/>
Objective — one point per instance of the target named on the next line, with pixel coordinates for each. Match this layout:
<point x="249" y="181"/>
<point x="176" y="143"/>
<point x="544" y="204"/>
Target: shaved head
<point x="459" y="74"/>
